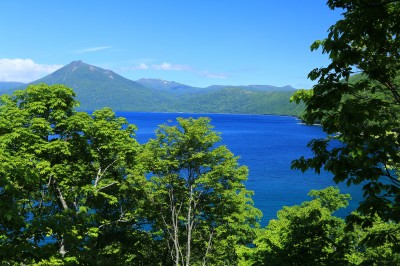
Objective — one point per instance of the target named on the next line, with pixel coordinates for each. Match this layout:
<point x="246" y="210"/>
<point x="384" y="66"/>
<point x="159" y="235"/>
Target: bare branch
<point x="109" y="185"/>
<point x="208" y="247"/>
<point x="100" y="174"/>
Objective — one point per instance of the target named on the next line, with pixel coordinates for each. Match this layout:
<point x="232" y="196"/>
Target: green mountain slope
<point x="96" y="88"/>
<point x="168" y="86"/>
<point x="4" y="85"/>
<point x="9" y="87"/>
<point x="268" y="88"/>
<point x="241" y="101"/>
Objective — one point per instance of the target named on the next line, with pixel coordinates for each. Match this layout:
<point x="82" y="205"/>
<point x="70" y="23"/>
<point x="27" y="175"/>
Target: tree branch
<point x="208" y="247"/>
<point x="100" y="174"/>
<point x="109" y="185"/>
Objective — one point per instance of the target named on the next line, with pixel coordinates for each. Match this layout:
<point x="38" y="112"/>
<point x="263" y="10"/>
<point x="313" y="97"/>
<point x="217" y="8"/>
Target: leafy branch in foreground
<point x="68" y="180"/>
<point x="310" y="234"/>
<point x="360" y="114"/>
<point x="77" y="188"/>
<point x="202" y="208"/>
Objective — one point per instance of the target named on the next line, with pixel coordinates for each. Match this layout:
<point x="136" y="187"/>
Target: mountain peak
<point x="160" y="84"/>
<point x="75" y="65"/>
<point x="77" y="73"/>
<point x="77" y="62"/>
<point x="96" y="87"/>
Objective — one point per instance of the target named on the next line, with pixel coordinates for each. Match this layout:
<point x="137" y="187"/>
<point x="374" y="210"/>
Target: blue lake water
<point x="266" y="144"/>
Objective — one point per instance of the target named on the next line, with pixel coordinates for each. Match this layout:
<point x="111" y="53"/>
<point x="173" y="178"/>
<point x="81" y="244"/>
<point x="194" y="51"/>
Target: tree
<point x="202" y="211"/>
<point x="360" y="114"/>
<point x="305" y="235"/>
<point x="69" y="190"/>
<point x="310" y="234"/>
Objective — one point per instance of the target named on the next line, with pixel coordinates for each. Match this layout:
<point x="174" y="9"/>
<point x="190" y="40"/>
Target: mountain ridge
<point x="160" y="84"/>
<point x="96" y="87"/>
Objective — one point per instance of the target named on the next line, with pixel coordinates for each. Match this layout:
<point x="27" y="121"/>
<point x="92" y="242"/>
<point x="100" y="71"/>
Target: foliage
<point x="361" y="115"/>
<point x="77" y="188"/>
<point x="203" y="212"/>
<point x="68" y="188"/>
<point x="310" y="234"/>
<point x="304" y="235"/>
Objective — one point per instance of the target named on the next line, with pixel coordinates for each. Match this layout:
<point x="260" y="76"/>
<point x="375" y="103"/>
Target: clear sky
<point x="195" y="42"/>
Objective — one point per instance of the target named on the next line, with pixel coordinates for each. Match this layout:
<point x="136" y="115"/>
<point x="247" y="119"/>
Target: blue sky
<point x="199" y="43"/>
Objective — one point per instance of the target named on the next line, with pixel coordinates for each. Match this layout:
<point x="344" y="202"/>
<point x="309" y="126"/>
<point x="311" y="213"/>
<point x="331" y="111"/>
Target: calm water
<point x="267" y="145"/>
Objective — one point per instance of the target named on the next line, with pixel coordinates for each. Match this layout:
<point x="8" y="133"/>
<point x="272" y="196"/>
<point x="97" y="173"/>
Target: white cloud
<point x="141" y="66"/>
<point x="174" y="67"/>
<point x="168" y="66"/>
<point x="24" y="70"/>
<point x="92" y="49"/>
<point x="208" y="74"/>
<point x="143" y="61"/>
<point x="162" y="66"/>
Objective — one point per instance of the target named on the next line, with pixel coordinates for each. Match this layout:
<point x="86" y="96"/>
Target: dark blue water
<point x="267" y="145"/>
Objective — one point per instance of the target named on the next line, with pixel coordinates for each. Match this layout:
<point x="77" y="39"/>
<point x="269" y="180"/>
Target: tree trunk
<point x="189" y="227"/>
<point x="64" y="205"/>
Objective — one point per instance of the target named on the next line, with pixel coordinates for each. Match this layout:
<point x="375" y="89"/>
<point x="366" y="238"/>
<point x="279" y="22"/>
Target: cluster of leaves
<point x="360" y="113"/>
<point x="310" y="234"/>
<point x="77" y="188"/>
<point x="363" y="112"/>
<point x="67" y="178"/>
<point x="198" y="191"/>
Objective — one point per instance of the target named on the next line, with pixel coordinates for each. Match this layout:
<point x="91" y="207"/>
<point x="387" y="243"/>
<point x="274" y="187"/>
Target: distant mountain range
<point x="179" y="88"/>
<point x="96" y="88"/>
<point x="5" y="86"/>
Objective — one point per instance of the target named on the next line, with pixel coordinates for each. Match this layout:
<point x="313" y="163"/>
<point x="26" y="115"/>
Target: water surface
<point x="266" y="144"/>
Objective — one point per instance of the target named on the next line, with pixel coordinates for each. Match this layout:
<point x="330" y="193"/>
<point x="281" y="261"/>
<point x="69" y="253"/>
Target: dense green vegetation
<point x="78" y="189"/>
<point x="240" y="101"/>
<point x="360" y="112"/>
<point x="310" y="234"/>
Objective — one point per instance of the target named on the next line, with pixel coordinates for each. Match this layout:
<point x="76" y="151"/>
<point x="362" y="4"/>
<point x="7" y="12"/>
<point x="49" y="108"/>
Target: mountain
<point x="96" y="87"/>
<point x="172" y="87"/>
<point x="179" y="88"/>
<point x="241" y="101"/>
<point x="254" y="88"/>
<point x="7" y="87"/>
<point x="163" y="85"/>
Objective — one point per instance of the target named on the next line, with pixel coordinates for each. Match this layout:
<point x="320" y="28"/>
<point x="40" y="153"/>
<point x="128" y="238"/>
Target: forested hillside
<point x="240" y="101"/>
<point x="97" y="88"/>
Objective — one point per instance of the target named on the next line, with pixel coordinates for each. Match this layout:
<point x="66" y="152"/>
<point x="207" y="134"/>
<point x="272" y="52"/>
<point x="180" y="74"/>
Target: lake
<point x="266" y="144"/>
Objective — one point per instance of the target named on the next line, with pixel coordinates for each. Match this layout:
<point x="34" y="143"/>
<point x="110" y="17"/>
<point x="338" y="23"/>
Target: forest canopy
<point x="356" y="100"/>
<point x="78" y="188"/>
